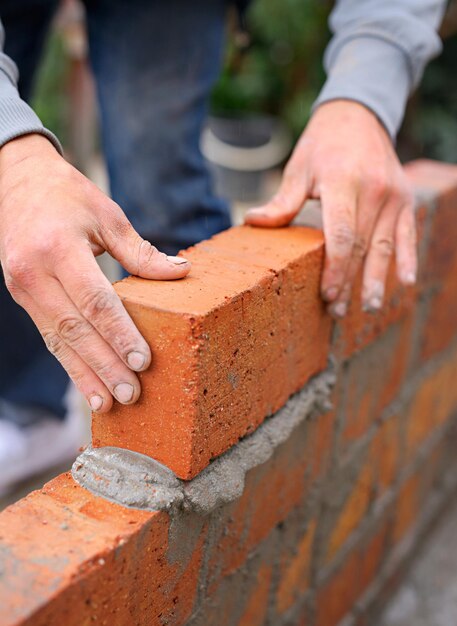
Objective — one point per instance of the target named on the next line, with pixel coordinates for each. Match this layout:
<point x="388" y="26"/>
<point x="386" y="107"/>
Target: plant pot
<point x="241" y="151"/>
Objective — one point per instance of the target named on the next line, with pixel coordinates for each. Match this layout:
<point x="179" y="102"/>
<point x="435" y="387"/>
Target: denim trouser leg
<point x="29" y="374"/>
<point x="154" y="62"/>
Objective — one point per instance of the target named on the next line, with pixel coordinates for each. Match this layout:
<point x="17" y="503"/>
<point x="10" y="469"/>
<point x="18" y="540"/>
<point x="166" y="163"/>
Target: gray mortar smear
<point x="138" y="481"/>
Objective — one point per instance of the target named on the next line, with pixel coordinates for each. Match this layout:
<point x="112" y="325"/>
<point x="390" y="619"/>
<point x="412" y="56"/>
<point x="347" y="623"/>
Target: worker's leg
<point x="155" y="62"/>
<point x="29" y="375"/>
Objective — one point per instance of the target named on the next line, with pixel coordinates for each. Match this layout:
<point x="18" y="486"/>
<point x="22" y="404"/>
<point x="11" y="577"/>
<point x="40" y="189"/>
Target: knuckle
<point x="379" y="187"/>
<point x="71" y="328"/>
<point x="342" y="237"/>
<point x="98" y="303"/>
<point x="19" y="272"/>
<point x="53" y="342"/>
<point x="147" y="252"/>
<point x="359" y="248"/>
<point x="384" y="246"/>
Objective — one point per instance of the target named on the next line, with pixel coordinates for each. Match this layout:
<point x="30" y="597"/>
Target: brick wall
<point x="309" y="458"/>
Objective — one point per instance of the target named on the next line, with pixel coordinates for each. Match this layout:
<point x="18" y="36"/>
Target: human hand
<point x="345" y="158"/>
<point x="53" y="222"/>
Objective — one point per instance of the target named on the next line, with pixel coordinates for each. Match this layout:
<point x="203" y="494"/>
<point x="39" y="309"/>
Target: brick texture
<point x="231" y="343"/>
<point x="323" y="526"/>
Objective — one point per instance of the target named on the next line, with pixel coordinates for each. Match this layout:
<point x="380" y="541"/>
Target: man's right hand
<point x="53" y="222"/>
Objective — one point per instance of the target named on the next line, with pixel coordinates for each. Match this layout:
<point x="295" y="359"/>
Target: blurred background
<point x="271" y="76"/>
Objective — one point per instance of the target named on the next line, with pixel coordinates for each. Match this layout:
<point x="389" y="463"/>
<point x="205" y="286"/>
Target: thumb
<point x="284" y="205"/>
<point x="139" y="257"/>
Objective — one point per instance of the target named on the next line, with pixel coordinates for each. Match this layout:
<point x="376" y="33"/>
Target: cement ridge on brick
<point x="138" y="481"/>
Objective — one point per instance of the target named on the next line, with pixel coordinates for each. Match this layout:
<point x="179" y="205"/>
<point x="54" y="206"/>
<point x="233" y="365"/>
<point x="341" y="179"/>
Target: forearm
<point x="378" y="53"/>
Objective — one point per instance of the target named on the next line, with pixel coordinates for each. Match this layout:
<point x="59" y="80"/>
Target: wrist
<point x="24" y="147"/>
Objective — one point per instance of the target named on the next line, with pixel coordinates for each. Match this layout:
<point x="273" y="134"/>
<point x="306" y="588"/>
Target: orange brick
<point x="372" y="553"/>
<point x="231" y="343"/>
<point x="256" y="607"/>
<point x="385" y="452"/>
<point x="320" y="441"/>
<point x="434" y="402"/>
<point x="271" y="491"/>
<point x="407" y="507"/>
<point x="336" y="598"/>
<point x="440" y="181"/>
<point x="440" y="325"/>
<point x="354" y="510"/>
<point x="374" y="378"/>
<point x="294" y="579"/>
<point x="358" y="329"/>
<point x="70" y="558"/>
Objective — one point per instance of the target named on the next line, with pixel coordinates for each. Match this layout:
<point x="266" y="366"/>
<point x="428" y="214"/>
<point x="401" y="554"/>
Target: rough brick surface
<point x="323" y="526"/>
<point x="70" y="558"/>
<point x="231" y="343"/>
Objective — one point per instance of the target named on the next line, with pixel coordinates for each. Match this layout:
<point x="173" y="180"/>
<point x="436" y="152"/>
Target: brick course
<point x="321" y="528"/>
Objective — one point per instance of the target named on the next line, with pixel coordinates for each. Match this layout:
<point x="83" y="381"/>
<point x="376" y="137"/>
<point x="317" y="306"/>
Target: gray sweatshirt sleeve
<point x="378" y="53"/>
<point x="16" y="117"/>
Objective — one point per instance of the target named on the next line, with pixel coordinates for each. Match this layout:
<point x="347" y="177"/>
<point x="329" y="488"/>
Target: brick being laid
<point x="230" y="344"/>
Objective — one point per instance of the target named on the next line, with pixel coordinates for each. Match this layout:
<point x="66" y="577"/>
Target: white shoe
<point x="29" y="450"/>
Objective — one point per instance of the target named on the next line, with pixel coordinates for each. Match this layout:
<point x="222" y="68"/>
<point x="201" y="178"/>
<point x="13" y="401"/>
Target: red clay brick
<point x="358" y="329"/>
<point x="385" y="452"/>
<point x="354" y="510"/>
<point x="337" y="596"/>
<point x="434" y="402"/>
<point x="374" y="378"/>
<point x="407" y="507"/>
<point x="271" y="491"/>
<point x="440" y="325"/>
<point x="231" y="343"/>
<point x="439" y="266"/>
<point x="70" y="558"/>
<point x="257" y="605"/>
<point x="294" y="580"/>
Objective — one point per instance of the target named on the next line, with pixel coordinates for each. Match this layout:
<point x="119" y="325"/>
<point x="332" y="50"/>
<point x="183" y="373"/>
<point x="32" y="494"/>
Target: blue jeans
<point x="154" y="63"/>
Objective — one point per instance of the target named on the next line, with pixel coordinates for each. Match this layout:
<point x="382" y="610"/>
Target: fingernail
<point x="123" y="392"/>
<point x="372" y="305"/>
<point x="330" y="293"/>
<point x="375" y="303"/>
<point x="256" y="211"/>
<point x="177" y="260"/>
<point x="340" y="309"/>
<point x="96" y="402"/>
<point x="136" y="360"/>
<point x="409" y="278"/>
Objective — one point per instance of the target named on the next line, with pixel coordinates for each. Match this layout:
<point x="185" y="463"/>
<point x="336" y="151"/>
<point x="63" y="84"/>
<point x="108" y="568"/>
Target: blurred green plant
<point x="281" y="70"/>
<point x="50" y="99"/>
<point x="281" y="73"/>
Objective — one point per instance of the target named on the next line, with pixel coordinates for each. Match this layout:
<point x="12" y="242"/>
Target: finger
<point x="138" y="256"/>
<point x="66" y="327"/>
<point x="379" y="257"/>
<point x="96" y="301"/>
<point x="286" y="203"/>
<point x="369" y="206"/>
<point x="406" y="245"/>
<point x="87" y="382"/>
<point x="339" y="214"/>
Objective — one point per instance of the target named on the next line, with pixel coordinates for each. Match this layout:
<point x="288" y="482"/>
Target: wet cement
<point x="137" y="481"/>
